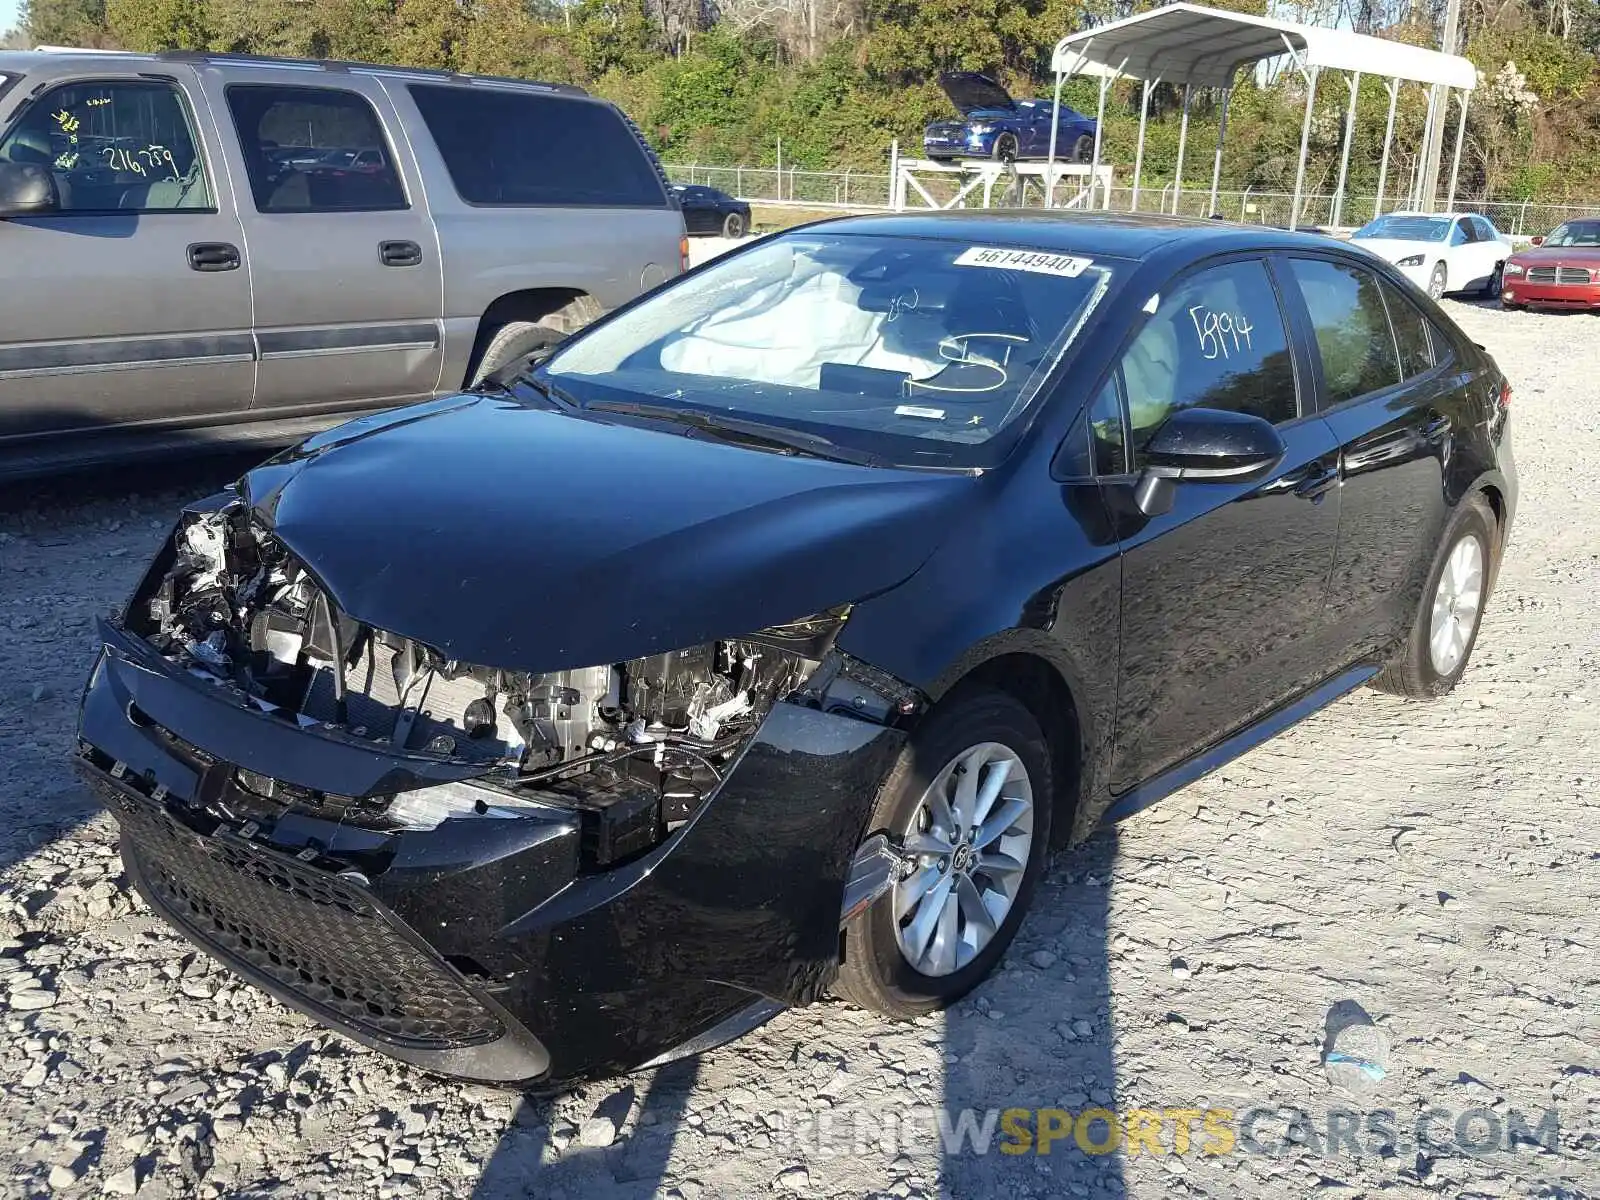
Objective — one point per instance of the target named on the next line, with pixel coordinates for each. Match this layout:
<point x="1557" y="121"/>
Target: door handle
<point x="399" y="254"/>
<point x="1310" y="481"/>
<point x="214" y="256"/>
<point x="1317" y="482"/>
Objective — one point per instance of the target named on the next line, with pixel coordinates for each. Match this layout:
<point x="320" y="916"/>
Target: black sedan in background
<point x="706" y="210"/>
<point x="760" y="641"/>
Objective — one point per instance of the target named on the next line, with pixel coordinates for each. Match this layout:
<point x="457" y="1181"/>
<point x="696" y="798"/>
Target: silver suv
<point x="199" y="248"/>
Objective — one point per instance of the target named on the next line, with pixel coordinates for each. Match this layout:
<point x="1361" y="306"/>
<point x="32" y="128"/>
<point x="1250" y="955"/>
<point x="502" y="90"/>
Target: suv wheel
<point x="970" y="803"/>
<point x="1441" y="637"/>
<point x="510" y="347"/>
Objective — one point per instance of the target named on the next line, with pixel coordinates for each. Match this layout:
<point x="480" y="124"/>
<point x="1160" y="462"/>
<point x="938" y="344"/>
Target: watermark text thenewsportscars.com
<point x="1270" y="1131"/>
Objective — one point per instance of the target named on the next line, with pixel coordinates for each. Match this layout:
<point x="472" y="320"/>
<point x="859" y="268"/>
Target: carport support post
<point x="1050" y="164"/>
<point x="1100" y="123"/>
<point x="1138" y="154"/>
<point x="1344" y="155"/>
<point x="1393" y="88"/>
<point x="1455" y="163"/>
<point x="1183" y="136"/>
<point x="1222" y="134"/>
<point x="1305" y="143"/>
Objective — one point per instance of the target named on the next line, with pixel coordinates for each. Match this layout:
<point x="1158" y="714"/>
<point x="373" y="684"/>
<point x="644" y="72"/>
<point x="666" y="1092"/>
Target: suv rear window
<point x="523" y="148"/>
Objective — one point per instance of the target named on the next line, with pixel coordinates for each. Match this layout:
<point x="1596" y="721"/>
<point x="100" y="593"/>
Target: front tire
<point x="970" y="800"/>
<point x="1437" y="281"/>
<point x="1439" y="643"/>
<point x="1005" y="148"/>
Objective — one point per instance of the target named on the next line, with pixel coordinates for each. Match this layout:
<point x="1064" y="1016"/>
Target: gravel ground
<point x="1436" y="865"/>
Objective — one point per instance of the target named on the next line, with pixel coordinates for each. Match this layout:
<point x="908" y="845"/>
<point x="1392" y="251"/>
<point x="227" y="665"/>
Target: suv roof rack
<point x="343" y="65"/>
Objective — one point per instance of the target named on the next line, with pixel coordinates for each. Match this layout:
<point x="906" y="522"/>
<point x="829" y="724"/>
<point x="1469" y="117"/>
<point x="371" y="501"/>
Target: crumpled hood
<point x="524" y="539"/>
<point x="1394" y="249"/>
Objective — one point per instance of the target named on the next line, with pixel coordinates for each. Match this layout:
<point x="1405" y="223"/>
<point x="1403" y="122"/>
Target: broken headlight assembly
<point x="634" y="746"/>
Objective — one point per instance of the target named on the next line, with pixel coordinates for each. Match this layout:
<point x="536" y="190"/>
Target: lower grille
<point x="317" y="936"/>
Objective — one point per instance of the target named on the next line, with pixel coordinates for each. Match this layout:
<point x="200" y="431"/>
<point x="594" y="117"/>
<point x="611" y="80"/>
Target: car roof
<point x="23" y="61"/>
<point x="1113" y="235"/>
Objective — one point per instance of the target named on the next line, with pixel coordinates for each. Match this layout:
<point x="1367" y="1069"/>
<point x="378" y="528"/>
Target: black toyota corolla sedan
<point x="758" y="642"/>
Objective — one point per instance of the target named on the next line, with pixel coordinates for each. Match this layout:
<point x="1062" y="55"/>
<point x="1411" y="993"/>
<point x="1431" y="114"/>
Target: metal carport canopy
<point x="1194" y="46"/>
<point x="1188" y="43"/>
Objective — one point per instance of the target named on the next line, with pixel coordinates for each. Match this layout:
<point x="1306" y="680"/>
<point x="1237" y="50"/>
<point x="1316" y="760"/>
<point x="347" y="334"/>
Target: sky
<point x="8" y="14"/>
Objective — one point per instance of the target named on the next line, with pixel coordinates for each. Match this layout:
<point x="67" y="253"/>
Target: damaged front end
<point x="499" y="873"/>
<point x="635" y="746"/>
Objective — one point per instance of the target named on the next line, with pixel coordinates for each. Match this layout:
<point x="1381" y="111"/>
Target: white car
<point x="1440" y="252"/>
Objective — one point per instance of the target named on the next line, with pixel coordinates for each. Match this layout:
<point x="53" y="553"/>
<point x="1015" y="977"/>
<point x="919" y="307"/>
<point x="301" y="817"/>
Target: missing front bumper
<point x="484" y="946"/>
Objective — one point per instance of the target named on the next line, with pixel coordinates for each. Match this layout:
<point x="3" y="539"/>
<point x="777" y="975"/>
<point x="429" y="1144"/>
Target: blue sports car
<point x="993" y="125"/>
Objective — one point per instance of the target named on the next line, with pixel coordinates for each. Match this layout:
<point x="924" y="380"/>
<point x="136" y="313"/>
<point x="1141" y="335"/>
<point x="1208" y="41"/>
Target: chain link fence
<point x="872" y="190"/>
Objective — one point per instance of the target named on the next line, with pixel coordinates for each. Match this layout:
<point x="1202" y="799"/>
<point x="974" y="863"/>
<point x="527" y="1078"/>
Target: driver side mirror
<point x="27" y="190"/>
<point x="1203" y="444"/>
<point x="1538" y="239"/>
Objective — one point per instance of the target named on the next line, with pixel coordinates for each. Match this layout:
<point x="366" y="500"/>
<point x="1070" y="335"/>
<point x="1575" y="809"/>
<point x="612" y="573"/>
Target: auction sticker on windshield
<point x="1023" y="260"/>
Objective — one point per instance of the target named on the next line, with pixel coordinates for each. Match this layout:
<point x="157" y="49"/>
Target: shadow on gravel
<point x="1028" y="1104"/>
<point x="46" y="522"/>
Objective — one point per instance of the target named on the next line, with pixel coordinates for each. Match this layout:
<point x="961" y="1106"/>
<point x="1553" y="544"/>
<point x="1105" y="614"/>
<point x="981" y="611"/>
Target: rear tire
<point x="733" y="226"/>
<point x="1083" y="149"/>
<point x="1491" y="286"/>
<point x="509" y="349"/>
<point x="1420" y="671"/>
<point x="989" y="728"/>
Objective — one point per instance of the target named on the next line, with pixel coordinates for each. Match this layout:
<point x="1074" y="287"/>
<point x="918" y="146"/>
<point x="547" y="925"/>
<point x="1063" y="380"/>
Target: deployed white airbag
<point x="784" y="332"/>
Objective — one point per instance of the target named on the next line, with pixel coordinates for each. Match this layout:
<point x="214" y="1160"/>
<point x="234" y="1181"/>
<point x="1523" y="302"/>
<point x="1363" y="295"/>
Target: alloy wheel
<point x="1457" y="601"/>
<point x="969" y="841"/>
<point x="1436" y="282"/>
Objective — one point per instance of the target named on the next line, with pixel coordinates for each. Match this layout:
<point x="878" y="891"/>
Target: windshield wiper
<point x="556" y="396"/>
<point x="739" y="430"/>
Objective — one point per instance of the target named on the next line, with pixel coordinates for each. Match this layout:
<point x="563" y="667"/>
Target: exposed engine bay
<point x="638" y="745"/>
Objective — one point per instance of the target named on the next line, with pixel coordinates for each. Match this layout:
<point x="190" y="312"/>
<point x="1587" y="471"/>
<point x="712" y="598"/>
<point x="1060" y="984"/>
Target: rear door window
<point x="314" y="150"/>
<point x="1216" y="340"/>
<point x="1354" y="340"/>
<point x="535" y="149"/>
<point x="1410" y="333"/>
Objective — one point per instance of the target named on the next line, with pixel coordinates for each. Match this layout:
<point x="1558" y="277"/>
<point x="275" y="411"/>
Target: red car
<point x="1560" y="271"/>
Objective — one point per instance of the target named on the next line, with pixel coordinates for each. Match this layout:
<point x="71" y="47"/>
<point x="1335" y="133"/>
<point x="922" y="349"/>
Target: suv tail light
<point x="683" y="253"/>
<point x="1505" y="395"/>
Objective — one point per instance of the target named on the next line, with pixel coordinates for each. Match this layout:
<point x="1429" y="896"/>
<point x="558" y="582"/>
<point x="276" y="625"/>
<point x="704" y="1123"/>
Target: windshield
<point x="1406" y="229"/>
<point x="1575" y="233"/>
<point x="918" y="351"/>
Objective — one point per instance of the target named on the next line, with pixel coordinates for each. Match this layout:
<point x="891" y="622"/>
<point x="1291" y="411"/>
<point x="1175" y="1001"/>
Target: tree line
<point x="722" y="81"/>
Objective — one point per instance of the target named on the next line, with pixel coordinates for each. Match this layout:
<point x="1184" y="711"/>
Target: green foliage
<point x="720" y="96"/>
<point x="151" y="25"/>
<point x="65" y="22"/>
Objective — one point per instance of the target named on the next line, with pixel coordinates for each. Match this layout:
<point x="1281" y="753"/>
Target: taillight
<point x="1505" y="395"/>
<point x="683" y="253"/>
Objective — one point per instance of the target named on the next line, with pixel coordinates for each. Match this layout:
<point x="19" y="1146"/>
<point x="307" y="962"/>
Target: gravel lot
<point x="1439" y="865"/>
